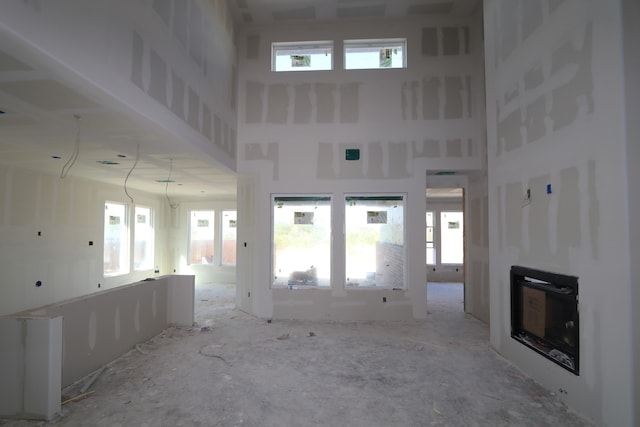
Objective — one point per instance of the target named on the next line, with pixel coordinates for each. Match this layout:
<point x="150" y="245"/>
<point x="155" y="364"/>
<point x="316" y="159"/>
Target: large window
<point x="143" y="247"/>
<point x="374" y="232"/>
<point x="301" y="241"/>
<point x="431" y="250"/>
<point x="302" y="56"/>
<point x="116" y="239"/>
<point x="375" y="54"/>
<point x="451" y="237"/>
<point x="229" y="223"/>
<point x="201" y="244"/>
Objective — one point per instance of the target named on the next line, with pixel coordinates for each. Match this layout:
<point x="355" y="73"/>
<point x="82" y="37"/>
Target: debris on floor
<point x="92" y="380"/>
<point x="77" y="398"/>
<point x="361" y="374"/>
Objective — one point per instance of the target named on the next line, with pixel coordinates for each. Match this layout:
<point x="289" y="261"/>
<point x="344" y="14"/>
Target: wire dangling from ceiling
<point x="166" y="187"/>
<point x="76" y="150"/>
<point x="129" y="174"/>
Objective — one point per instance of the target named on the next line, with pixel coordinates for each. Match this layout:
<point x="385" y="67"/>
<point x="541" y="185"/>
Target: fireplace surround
<point x="545" y="315"/>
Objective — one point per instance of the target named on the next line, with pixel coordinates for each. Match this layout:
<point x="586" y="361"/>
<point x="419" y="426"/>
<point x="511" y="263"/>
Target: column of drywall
<point x="30" y="367"/>
<point x="477" y="248"/>
<point x="631" y="21"/>
<point x="555" y="111"/>
<point x="180" y="300"/>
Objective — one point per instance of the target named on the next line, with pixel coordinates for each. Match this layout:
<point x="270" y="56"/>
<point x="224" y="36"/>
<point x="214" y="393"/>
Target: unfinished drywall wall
<point x="295" y="129"/>
<point x="53" y="234"/>
<point x="30" y="367"/>
<point x="172" y="62"/>
<point x="477" y="283"/>
<point x="53" y="346"/>
<point x="631" y="34"/>
<point x="557" y="173"/>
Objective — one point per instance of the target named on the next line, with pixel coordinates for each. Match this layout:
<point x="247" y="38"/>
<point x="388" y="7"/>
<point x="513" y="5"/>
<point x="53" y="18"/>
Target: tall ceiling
<point x="277" y="11"/>
<point x="43" y="118"/>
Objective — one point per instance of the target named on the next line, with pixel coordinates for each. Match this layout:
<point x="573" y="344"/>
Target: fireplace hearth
<point x="545" y="316"/>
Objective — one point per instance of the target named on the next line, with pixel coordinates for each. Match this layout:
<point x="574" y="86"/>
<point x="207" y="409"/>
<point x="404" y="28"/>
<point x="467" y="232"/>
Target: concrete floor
<point x="233" y="369"/>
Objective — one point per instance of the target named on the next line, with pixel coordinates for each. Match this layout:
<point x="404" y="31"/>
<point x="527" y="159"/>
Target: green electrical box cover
<point x="353" y="154"/>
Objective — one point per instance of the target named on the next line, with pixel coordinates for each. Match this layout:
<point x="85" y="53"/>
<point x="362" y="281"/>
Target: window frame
<point x="212" y="226"/>
<point x="124" y="260"/>
<point x="379" y="44"/>
<point x="223" y="213"/>
<point x="293" y="285"/>
<point x="441" y="239"/>
<point x="151" y="225"/>
<point x="301" y="47"/>
<point x="433" y="226"/>
<point x="376" y="197"/>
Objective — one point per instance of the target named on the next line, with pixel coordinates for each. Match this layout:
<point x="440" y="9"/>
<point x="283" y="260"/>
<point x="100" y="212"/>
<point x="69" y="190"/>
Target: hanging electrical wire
<point x="166" y="187"/>
<point x="76" y="150"/>
<point x="129" y="174"/>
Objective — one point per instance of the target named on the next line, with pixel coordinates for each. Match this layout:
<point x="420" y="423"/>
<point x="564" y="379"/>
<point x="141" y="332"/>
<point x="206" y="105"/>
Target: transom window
<point x="302" y="56"/>
<point x="375" y="54"/>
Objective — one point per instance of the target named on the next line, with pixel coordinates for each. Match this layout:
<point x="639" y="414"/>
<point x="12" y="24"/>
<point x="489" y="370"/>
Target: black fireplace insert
<point x="545" y="316"/>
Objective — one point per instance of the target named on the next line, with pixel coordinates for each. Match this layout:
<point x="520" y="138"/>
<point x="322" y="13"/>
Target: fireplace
<point x="544" y="314"/>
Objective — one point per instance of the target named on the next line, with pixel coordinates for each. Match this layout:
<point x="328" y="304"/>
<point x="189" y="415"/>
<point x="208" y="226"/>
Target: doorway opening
<point x="445" y="249"/>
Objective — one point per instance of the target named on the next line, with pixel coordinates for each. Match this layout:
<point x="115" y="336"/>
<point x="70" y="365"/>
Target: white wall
<point x="631" y="18"/>
<point x="68" y="214"/>
<point x="477" y="282"/>
<point x="294" y="129"/>
<point x="555" y="115"/>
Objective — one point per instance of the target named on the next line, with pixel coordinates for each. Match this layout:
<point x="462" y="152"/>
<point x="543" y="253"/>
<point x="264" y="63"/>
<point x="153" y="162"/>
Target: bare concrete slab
<point x="234" y="369"/>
